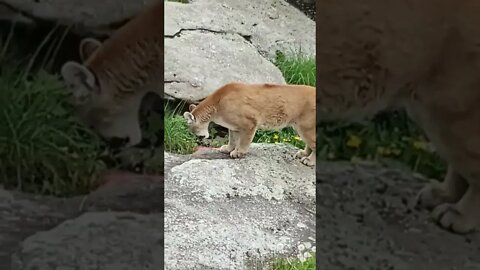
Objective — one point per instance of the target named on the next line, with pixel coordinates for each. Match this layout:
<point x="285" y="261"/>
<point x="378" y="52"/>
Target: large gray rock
<point x="363" y="212"/>
<point x="24" y="215"/>
<point x="269" y="24"/>
<point x="223" y="213"/>
<point x="85" y="15"/>
<point x="212" y="42"/>
<point x="197" y="63"/>
<point x="97" y="240"/>
<point x="9" y="14"/>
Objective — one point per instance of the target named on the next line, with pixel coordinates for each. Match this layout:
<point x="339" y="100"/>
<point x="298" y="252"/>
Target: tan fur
<point x="109" y="86"/>
<point x="244" y="108"/>
<point x="423" y="56"/>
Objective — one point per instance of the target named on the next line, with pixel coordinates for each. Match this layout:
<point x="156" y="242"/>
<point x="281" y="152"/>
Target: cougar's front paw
<point x="237" y="154"/>
<point x="433" y="195"/>
<point x="450" y="217"/>
<point x="300" y="154"/>
<point x="309" y="161"/>
<point x="226" y="149"/>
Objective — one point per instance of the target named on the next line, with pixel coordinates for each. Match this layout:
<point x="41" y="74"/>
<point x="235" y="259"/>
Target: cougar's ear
<point x="79" y="79"/>
<point x="189" y="117"/>
<point x="73" y="72"/>
<point x="87" y="47"/>
<point x="191" y="107"/>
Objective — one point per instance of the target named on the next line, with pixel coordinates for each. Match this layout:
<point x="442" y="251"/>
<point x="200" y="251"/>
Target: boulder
<point x="211" y="42"/>
<point x="223" y="213"/>
<point x="28" y="222"/>
<point x="270" y="25"/>
<point x="96" y="240"/>
<point x="86" y="16"/>
<point x="199" y="62"/>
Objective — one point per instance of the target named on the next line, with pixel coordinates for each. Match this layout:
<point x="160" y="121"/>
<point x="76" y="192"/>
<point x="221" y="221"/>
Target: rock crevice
<point x="201" y="29"/>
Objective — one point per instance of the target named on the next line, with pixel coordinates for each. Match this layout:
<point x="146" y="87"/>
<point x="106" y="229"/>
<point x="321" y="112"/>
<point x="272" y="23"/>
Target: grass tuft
<point x="294" y="264"/>
<point x="178" y="138"/>
<point x="43" y="147"/>
<point x="297" y="68"/>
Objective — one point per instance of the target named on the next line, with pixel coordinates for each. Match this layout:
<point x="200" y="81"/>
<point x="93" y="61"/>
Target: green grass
<point x="287" y="135"/>
<point x="294" y="264"/>
<point x="178" y="138"/>
<point x="43" y="148"/>
<point x="297" y="68"/>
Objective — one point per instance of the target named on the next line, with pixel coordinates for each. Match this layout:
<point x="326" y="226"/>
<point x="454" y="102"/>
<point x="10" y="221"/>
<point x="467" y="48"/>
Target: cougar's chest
<point x="226" y="124"/>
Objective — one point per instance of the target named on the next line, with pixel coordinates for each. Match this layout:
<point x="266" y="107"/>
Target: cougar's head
<point x="195" y="124"/>
<point x="94" y="100"/>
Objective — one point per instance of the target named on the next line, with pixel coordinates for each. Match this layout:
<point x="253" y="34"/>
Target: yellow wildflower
<point x="354" y="141"/>
<point x="297" y="138"/>
<point x="421" y="145"/>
